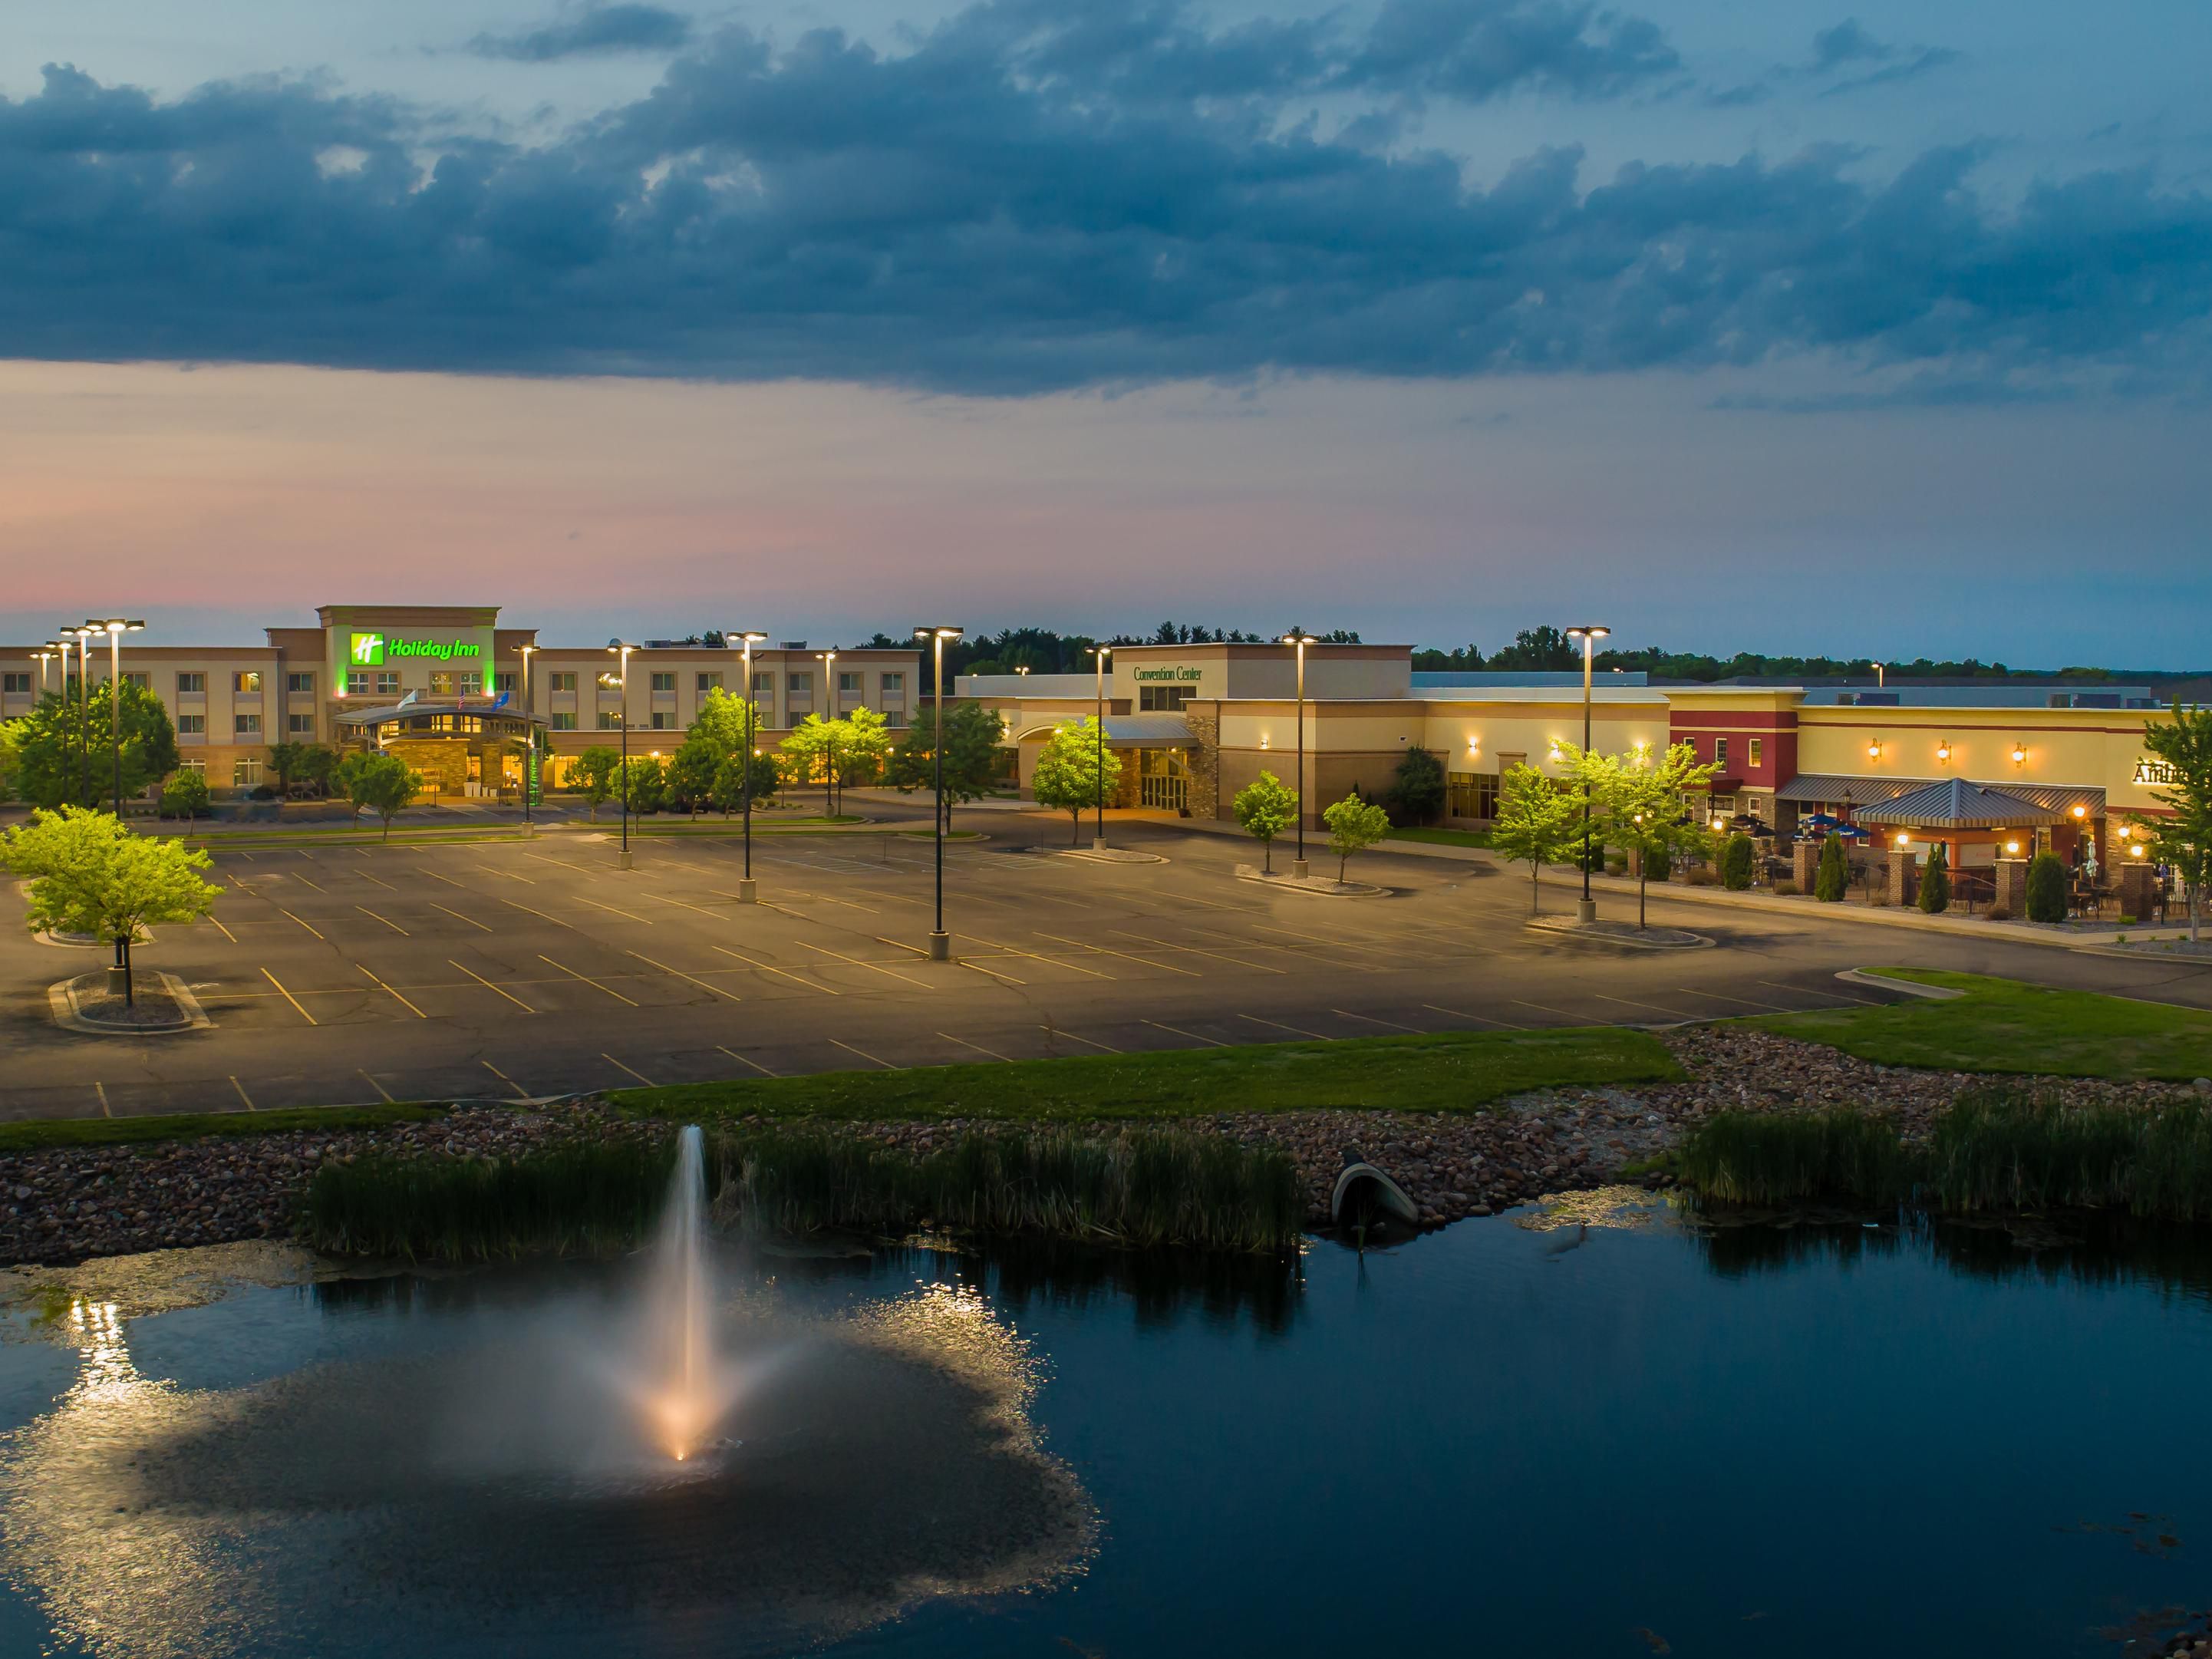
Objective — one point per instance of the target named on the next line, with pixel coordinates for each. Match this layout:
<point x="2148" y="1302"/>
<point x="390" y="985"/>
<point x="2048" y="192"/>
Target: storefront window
<point x="1471" y="794"/>
<point x="1164" y="699"/>
<point x="244" y="771"/>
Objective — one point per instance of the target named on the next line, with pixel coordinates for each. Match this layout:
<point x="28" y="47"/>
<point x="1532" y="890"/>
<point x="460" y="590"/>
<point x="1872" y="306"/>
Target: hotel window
<point x="14" y="681"/>
<point x="1472" y="794"/>
<point x="300" y="725"/>
<point x="198" y="768"/>
<point x="564" y="720"/>
<point x="442" y="682"/>
<point x="894" y="691"/>
<point x="708" y="683"/>
<point x="1163" y="699"/>
<point x="191" y="725"/>
<point x="299" y="685"/>
<point x="564" y="682"/>
<point x="610" y="720"/>
<point x="384" y="683"/>
<point x="191" y="685"/>
<point x="1720" y="753"/>
<point x="800" y="690"/>
<point x="1758" y="747"/>
<point x="609" y="680"/>
<point x="848" y="685"/>
<point x="246" y="725"/>
<point x="763" y="683"/>
<point x="665" y="683"/>
<point x="144" y="682"/>
<point x="502" y="681"/>
<point x="247" y="680"/>
<point x="664" y="719"/>
<point x="356" y="684"/>
<point x="245" y="772"/>
<point x="470" y="682"/>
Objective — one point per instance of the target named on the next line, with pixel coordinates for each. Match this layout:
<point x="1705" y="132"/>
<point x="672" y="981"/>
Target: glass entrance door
<point x="1162" y="779"/>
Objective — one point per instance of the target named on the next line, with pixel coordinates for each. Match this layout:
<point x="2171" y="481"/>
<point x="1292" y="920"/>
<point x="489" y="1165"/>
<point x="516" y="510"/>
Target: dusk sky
<point x="1781" y="326"/>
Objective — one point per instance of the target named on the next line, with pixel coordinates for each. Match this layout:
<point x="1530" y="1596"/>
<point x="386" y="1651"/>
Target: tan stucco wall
<point x="2095" y="747"/>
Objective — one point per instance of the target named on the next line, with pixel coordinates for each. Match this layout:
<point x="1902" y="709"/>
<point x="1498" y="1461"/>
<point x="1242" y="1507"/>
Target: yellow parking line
<point x="296" y="875"/>
<point x="582" y="870"/>
<point x="1108" y="949"/>
<point x="1479" y="1019"/>
<point x="632" y="1070"/>
<point x="243" y="1096"/>
<point x="1179" y="1031"/>
<point x="492" y="869"/>
<point x="968" y="961"/>
<point x="742" y="1059"/>
<point x="101" y="1089"/>
<point x="379" y="881"/>
<point x="873" y="968"/>
<point x="1039" y="956"/>
<point x="694" y="979"/>
<point x="1545" y="1008"/>
<point x="769" y="967"/>
<point x="1293" y="1029"/>
<point x="519" y="1090"/>
<point x="287" y="996"/>
<point x="556" y="920"/>
<point x="379" y="1087"/>
<point x="596" y="905"/>
<point x="865" y="1055"/>
<point x="1652" y="1008"/>
<point x="224" y="931"/>
<point x="488" y="986"/>
<point x="573" y="974"/>
<point x="1773" y="1007"/>
<point x="660" y="898"/>
<point x="1164" y="945"/>
<point x="434" y="875"/>
<point x="458" y="916"/>
<point x="386" y="920"/>
<point x="404" y="1003"/>
<point x="301" y="923"/>
<point x="977" y="1046"/>
<point x="1057" y="1030"/>
<point x="1387" y="1024"/>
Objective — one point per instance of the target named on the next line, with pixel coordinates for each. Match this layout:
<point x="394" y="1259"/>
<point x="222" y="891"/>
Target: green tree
<point x="809" y="752"/>
<point x="648" y="785"/>
<point x="730" y="782"/>
<point x="973" y="734"/>
<point x="11" y="757"/>
<point x="1416" y="793"/>
<point x="1266" y="807"/>
<point x="89" y="874"/>
<point x="1075" y="772"/>
<point x="864" y="748"/>
<point x="287" y="761"/>
<point x="65" y="755"/>
<point x="691" y="771"/>
<point x="1353" y="827"/>
<point x="184" y="796"/>
<point x="1935" y="881"/>
<point x="1537" y="822"/>
<point x="2046" y="888"/>
<point x="1833" y="876"/>
<point x="382" y="784"/>
<point x="597" y="775"/>
<point x="1643" y="805"/>
<point x="318" y="764"/>
<point x="1738" y="860"/>
<point x="2181" y="838"/>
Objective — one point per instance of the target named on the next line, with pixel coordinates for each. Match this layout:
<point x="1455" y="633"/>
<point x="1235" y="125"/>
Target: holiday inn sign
<point x="372" y="650"/>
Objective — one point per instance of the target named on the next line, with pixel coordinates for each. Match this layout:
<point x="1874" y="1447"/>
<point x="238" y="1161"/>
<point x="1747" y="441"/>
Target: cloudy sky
<point x="1780" y="327"/>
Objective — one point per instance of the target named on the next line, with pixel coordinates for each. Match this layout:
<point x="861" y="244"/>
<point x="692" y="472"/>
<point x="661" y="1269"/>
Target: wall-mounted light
<point x="2012" y="847"/>
<point x="2138" y="849"/>
<point x="1263" y="740"/>
<point x="1474" y="745"/>
<point x="1943" y="751"/>
<point x="1874" y="750"/>
<point x="1902" y="837"/>
<point x="1555" y="757"/>
<point x="2020" y="754"/>
<point x="2080" y="811"/>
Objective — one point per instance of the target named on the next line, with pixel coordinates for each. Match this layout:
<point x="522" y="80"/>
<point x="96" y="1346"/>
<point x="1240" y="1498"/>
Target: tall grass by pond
<point x="1139" y="1187"/>
<point x="1992" y="1149"/>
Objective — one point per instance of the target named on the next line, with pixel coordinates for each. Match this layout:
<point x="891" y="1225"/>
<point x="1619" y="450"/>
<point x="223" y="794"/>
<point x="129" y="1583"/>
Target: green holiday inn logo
<point x="370" y="650"/>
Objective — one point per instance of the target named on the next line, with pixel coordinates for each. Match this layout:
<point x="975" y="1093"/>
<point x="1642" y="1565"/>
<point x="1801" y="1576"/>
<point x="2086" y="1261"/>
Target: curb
<point x="1562" y="928"/>
<point x="1317" y="890"/>
<point x="62" y="1002"/>
<point x="1911" y="987"/>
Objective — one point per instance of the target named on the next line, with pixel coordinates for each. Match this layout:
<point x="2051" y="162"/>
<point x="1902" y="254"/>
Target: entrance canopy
<point x="1959" y="804"/>
<point x="445" y="718"/>
<point x="2056" y="800"/>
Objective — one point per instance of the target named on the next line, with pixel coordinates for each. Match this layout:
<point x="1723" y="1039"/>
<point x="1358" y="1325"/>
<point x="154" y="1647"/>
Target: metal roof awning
<point x="385" y="713"/>
<point x="1148" y="732"/>
<point x="1959" y="804"/>
<point x="1808" y="788"/>
<point x="2056" y="800"/>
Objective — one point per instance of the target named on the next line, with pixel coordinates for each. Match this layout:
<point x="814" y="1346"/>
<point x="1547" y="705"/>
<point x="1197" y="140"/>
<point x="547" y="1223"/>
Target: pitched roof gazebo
<point x="1958" y="805"/>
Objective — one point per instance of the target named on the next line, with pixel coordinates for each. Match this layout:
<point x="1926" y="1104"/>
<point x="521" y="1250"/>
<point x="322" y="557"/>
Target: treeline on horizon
<point x="1043" y="651"/>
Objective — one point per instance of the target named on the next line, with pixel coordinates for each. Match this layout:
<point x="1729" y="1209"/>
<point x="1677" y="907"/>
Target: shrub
<point x="1737" y="862"/>
<point x="184" y="796"/>
<point x="1834" y="875"/>
<point x="2046" y="888"/>
<point x="1656" y="864"/>
<point x="1416" y="793"/>
<point x="1784" y="887"/>
<point x="1934" y="895"/>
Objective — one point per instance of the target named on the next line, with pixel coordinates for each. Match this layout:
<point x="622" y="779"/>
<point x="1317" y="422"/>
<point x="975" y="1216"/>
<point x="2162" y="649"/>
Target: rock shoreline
<point x="69" y="1204"/>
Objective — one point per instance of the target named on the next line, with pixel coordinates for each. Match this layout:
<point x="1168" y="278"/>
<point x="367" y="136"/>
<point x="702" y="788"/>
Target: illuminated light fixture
<point x="2138" y="849"/>
<point x="1474" y="745"/>
<point x="1719" y="822"/>
<point x="1555" y="757"/>
<point x="1943" y="751"/>
<point x="1023" y="669"/>
<point x="2020" y="754"/>
<point x="1874" y="750"/>
<point x="2012" y="847"/>
<point x="1902" y="837"/>
<point x="1263" y="740"/>
<point x="2080" y="811"/>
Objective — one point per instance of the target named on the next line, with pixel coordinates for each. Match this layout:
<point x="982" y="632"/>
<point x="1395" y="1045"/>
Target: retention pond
<point x="1594" y="1431"/>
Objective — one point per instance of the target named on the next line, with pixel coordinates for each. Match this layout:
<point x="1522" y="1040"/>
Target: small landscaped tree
<point x="1354" y="825"/>
<point x="809" y="751"/>
<point x="691" y="771"/>
<point x="973" y="735"/>
<point x="648" y="790"/>
<point x="2046" y="888"/>
<point x="730" y="782"/>
<point x="184" y="796"/>
<point x="864" y="748"/>
<point x="1266" y="807"/>
<point x="2181" y="839"/>
<point x="1834" y="875"/>
<point x="1935" y="881"/>
<point x="1416" y="793"/>
<point x="1641" y="803"/>
<point x="287" y="761"/>
<point x="597" y="775"/>
<point x="11" y="757"/>
<point x="63" y="747"/>
<point x="318" y="764"/>
<point x="1537" y="822"/>
<point x="89" y="874"/>
<point x="1738" y="859"/>
<point x="382" y="784"/>
<point x="1075" y="773"/>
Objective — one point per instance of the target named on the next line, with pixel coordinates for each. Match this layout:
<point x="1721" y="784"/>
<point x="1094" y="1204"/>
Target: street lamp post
<point x="617" y="649"/>
<point x="1590" y="635"/>
<point x="1299" y="639"/>
<point x="529" y="740"/>
<point x="829" y="661"/>
<point x="1099" y="653"/>
<point x="115" y="627"/>
<point x="940" y="942"/>
<point x="749" y="639"/>
<point x="85" y="635"/>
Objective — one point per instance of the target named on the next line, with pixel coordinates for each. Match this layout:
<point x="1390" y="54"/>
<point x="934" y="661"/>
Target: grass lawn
<point x="1451" y="1072"/>
<point x="38" y="1133"/>
<point x="2003" y="1025"/>
<point x="1443" y="837"/>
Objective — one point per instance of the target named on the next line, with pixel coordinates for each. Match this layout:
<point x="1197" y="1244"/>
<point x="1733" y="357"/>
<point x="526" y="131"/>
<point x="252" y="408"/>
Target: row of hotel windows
<point x="246" y="725"/>
<point x="469" y="682"/>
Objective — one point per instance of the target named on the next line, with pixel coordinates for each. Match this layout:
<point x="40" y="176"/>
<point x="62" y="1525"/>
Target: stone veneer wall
<point x="1204" y="758"/>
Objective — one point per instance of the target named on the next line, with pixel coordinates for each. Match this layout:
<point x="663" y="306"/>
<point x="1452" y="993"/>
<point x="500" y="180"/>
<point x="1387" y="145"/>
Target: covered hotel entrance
<point x="460" y="748"/>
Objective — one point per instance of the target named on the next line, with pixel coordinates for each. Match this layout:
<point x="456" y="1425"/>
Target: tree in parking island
<point x="973" y="736"/>
<point x="1266" y="807"/>
<point x="382" y="784"/>
<point x="1645" y="805"/>
<point x="1354" y="825"/>
<point x="1538" y="823"/>
<point x="89" y="874"/>
<point x="2181" y="839"/>
<point x="1074" y="772"/>
<point x="596" y="774"/>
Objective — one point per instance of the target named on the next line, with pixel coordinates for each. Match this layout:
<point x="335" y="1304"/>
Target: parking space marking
<point x="959" y="960"/>
<point x="873" y="968"/>
<point x="1038" y="955"/>
<point x="1108" y="949"/>
<point x="1388" y="1025"/>
<point x="1179" y="1031"/>
<point x="101" y="1089"/>
<point x="1293" y="1029"/>
<point x="743" y="1060"/>
<point x="583" y="870"/>
<point x="378" y="880"/>
<point x="1309" y="943"/>
<point x="692" y="978"/>
<point x="977" y="1046"/>
<point x="595" y="985"/>
<point x="426" y="870"/>
<point x="659" y="898"/>
<point x="1579" y="1019"/>
<point x="379" y="1087"/>
<point x="865" y="1055"/>
<point x="409" y="1007"/>
<point x="303" y="924"/>
<point x="495" y="870"/>
<point x="297" y="876"/>
<point x="556" y="920"/>
<point x="287" y="995"/>
<point x="596" y="905"/>
<point x="1165" y="945"/>
<point x="1479" y="1019"/>
<point x="488" y="986"/>
<point x="632" y="1070"/>
<point x="386" y="920"/>
<point x="224" y="931"/>
<point x="1625" y="1002"/>
<point x="1810" y="991"/>
<point x="1771" y="1007"/>
<point x="1061" y="1030"/>
<point x="770" y="967"/>
<point x="458" y="916"/>
<point x="242" y="1095"/>
<point x="519" y="1090"/>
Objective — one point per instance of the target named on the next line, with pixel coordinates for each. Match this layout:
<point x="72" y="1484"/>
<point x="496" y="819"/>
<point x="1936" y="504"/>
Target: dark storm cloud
<point x="1003" y="210"/>
<point x="596" y="30"/>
